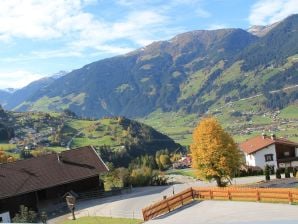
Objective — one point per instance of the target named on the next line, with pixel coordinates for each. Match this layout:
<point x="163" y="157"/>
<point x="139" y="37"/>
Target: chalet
<point x="270" y="150"/>
<point x="34" y="181"/>
<point x="184" y="162"/>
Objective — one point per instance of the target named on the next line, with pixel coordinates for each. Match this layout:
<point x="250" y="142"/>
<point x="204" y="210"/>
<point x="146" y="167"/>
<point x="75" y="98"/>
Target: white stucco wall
<point x="5" y="217"/>
<point x="258" y="158"/>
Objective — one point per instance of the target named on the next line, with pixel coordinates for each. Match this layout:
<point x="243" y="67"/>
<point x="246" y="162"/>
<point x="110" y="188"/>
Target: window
<point x="268" y="157"/>
<point x="286" y="153"/>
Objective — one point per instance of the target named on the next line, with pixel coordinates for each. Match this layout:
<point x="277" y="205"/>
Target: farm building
<point x="270" y="150"/>
<point x="36" y="181"/>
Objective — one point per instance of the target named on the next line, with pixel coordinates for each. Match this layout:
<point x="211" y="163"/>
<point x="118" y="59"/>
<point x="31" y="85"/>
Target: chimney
<point x="273" y="137"/>
<point x="264" y="135"/>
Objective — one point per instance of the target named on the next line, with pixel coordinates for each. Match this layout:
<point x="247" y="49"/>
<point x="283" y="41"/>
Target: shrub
<point x="141" y="176"/>
<point x="159" y="179"/>
<point x="294" y="172"/>
<point x="25" y="215"/>
<point x="267" y="172"/>
<point x="287" y="173"/>
<point x="277" y="174"/>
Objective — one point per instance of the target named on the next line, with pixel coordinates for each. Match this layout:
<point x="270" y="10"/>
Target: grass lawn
<point x="5" y="146"/>
<point x="184" y="172"/>
<point x="102" y="220"/>
<point x="290" y="112"/>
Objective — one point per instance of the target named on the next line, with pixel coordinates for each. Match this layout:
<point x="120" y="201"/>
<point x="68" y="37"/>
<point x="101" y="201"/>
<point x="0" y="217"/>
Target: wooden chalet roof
<point x="259" y="142"/>
<point x="46" y="171"/>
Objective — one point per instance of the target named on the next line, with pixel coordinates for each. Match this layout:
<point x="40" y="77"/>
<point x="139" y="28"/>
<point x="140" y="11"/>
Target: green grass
<point x="5" y="146"/>
<point x="231" y="73"/>
<point x="290" y="112"/>
<point x="80" y="124"/>
<point x="184" y="172"/>
<point x="192" y="84"/>
<point x="56" y="148"/>
<point x="99" y="132"/>
<point x="102" y="220"/>
<point x="178" y="126"/>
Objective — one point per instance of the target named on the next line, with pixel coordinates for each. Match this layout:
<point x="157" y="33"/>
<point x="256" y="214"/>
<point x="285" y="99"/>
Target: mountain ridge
<point x="190" y="72"/>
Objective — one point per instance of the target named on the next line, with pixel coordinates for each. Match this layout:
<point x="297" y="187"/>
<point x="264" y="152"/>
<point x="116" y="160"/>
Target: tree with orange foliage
<point x="214" y="153"/>
<point x="6" y="158"/>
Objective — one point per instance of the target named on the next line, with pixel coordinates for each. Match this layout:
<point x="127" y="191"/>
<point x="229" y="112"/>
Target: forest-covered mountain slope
<point x="190" y="73"/>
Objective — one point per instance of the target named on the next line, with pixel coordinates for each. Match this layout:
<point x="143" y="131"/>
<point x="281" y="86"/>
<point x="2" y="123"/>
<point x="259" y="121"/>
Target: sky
<point x="39" y="38"/>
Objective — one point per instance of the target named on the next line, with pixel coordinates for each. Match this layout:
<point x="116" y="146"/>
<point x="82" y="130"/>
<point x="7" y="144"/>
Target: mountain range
<point x="191" y="73"/>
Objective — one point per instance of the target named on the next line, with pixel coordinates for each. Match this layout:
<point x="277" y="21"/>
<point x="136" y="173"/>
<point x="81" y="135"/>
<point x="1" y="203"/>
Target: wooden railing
<point x="288" y="195"/>
<point x="168" y="204"/>
<point x="285" y="195"/>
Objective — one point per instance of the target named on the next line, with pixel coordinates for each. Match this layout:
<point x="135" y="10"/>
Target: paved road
<point x="130" y="205"/>
<point x="226" y="212"/>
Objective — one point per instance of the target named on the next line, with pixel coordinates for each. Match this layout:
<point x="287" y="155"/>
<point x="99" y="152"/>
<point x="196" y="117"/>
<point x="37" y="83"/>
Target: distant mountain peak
<point x="260" y="31"/>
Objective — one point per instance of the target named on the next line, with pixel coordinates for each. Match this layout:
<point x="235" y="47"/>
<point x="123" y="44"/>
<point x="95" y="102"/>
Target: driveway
<point x="130" y="205"/>
<point x="226" y="212"/>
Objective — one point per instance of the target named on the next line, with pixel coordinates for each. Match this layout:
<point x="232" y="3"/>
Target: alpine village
<point x="199" y="128"/>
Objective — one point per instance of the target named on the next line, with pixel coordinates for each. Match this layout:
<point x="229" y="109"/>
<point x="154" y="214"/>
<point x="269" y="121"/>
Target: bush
<point x="277" y="174"/>
<point x="25" y="215"/>
<point x="141" y="176"/>
<point x="267" y="172"/>
<point x="159" y="180"/>
<point x="294" y="172"/>
<point x="116" y="178"/>
<point x="287" y="173"/>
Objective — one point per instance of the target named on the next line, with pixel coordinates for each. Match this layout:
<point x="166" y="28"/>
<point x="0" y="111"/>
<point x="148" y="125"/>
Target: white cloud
<point x="265" y="12"/>
<point x="68" y="21"/>
<point x="79" y="31"/>
<point x="203" y="13"/>
<point x="17" y="79"/>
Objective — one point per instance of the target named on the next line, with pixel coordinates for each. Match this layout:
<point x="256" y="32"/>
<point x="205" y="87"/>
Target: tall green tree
<point x="214" y="153"/>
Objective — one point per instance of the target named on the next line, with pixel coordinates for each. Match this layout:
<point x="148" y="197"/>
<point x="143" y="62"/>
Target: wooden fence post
<point x="290" y="198"/>
<point x="258" y="196"/>
<point x="211" y="194"/>
<point x="181" y="198"/>
<point x="169" y="208"/>
<point x="229" y="195"/>
<point x="144" y="215"/>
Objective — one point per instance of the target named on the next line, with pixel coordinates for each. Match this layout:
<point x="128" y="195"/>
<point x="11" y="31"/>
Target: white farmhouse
<point x="275" y="152"/>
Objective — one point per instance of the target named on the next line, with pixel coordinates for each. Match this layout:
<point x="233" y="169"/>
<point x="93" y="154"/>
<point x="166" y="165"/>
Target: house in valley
<point x="36" y="181"/>
<point x="270" y="150"/>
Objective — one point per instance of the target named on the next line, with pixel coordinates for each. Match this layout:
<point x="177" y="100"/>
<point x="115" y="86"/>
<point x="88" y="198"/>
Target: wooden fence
<point x="285" y="195"/>
<point x="168" y="204"/>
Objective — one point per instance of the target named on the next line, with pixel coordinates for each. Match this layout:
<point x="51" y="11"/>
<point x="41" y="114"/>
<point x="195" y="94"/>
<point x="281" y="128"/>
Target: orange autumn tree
<point x="214" y="153"/>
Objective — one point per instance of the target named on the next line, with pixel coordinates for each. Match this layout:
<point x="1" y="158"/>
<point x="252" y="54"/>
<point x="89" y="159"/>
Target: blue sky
<point x="39" y="37"/>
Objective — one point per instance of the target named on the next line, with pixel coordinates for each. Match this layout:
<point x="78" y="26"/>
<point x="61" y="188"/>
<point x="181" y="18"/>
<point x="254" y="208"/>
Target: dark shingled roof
<point x="46" y="171"/>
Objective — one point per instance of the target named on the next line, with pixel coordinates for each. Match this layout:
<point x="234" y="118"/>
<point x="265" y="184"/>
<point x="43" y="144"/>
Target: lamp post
<point x="173" y="185"/>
